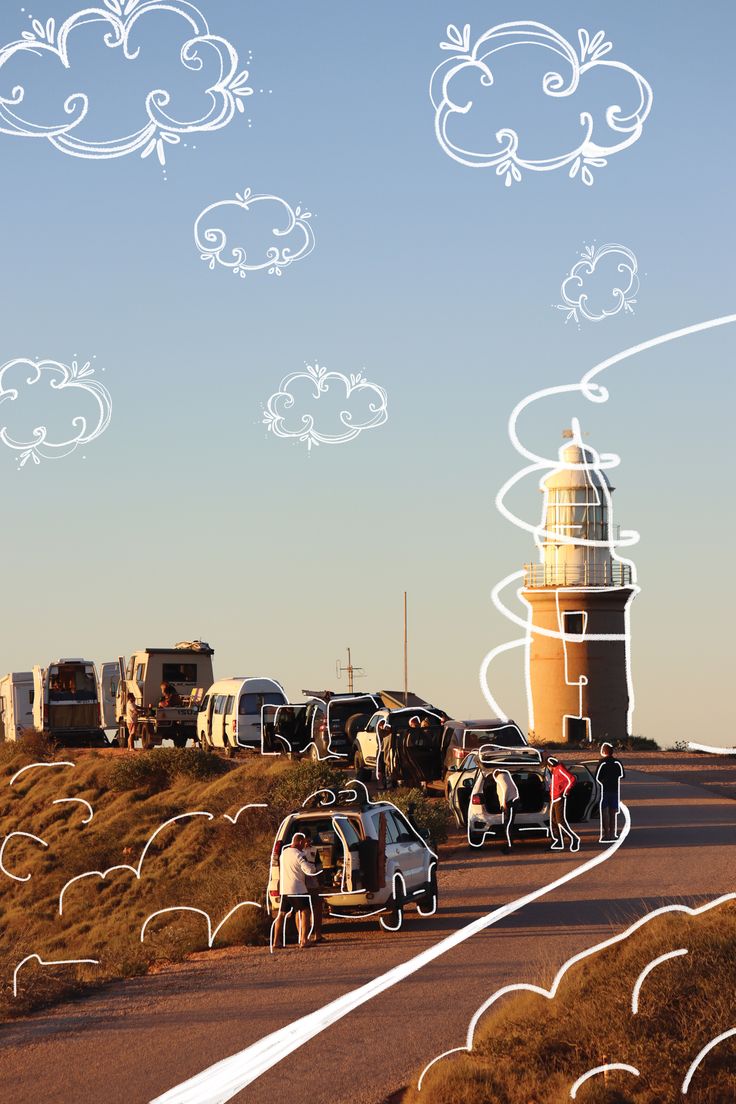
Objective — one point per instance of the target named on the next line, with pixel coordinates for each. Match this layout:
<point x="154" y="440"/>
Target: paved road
<point x="139" y="1038"/>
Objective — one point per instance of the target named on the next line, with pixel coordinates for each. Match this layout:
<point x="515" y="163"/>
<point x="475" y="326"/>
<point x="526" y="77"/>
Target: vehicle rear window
<point x="349" y="831"/>
<point x="72" y="684"/>
<point x="179" y="672"/>
<point x="253" y="703"/>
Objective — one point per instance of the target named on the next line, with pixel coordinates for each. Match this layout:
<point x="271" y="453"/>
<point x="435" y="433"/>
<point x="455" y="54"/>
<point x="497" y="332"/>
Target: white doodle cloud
<point x="307" y="401"/>
<point x="53" y="408"/>
<point x="598" y="134"/>
<point x="603" y="283"/>
<point x="49" y="45"/>
<point x="286" y="232"/>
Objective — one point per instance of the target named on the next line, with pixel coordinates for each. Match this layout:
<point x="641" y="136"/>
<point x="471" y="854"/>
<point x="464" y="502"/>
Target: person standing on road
<point x="561" y="782"/>
<point x="508" y="799"/>
<point x="608" y="776"/>
<point x="131" y="721"/>
<point x="315" y="899"/>
<point x="294" y="866"/>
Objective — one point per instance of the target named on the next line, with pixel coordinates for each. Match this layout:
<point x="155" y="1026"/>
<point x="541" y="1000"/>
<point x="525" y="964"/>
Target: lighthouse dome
<point x="586" y="473"/>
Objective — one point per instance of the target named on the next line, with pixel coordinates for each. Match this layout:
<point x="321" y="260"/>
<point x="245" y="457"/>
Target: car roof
<point x="499" y="757"/>
<point x="341" y="810"/>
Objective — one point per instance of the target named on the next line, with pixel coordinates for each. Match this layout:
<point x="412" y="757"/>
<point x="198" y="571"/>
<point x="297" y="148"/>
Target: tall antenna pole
<point x="350" y="673"/>
<point x="406" y="652"/>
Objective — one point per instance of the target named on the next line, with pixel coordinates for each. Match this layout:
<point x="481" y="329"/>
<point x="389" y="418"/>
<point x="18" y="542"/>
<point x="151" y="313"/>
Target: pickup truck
<point x="187" y="667"/>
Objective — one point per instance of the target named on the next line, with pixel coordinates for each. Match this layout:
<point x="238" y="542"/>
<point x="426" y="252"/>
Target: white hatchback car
<point x="474" y="800"/>
<point x="372" y="861"/>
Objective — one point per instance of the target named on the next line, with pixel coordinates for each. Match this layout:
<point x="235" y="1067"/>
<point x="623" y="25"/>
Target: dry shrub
<point x="529" y="1049"/>
<point x="209" y="864"/>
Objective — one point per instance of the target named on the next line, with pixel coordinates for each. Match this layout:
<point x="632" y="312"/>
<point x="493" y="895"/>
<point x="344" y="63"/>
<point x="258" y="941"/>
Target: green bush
<point x="637" y="743"/>
<point x="430" y="815"/>
<point x="156" y="770"/>
<point x="301" y="779"/>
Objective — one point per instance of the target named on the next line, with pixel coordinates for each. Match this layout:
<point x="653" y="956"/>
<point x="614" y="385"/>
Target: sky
<point x="188" y="518"/>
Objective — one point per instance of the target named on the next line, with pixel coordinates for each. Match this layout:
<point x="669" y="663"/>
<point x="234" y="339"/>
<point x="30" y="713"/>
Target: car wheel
<point x="475" y="838"/>
<point x="393" y="918"/>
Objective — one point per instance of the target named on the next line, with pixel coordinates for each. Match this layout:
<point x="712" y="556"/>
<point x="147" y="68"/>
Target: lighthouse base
<point x="580" y="687"/>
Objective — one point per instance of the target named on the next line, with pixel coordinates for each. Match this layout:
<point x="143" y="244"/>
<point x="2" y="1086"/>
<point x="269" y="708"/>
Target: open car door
<point x="582" y="802"/>
<point x="350" y="851"/>
<point x="459" y="800"/>
<point x="422" y="750"/>
<point x="109" y="680"/>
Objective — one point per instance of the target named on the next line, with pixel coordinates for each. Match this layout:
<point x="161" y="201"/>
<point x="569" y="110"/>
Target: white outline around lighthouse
<point x="571" y="561"/>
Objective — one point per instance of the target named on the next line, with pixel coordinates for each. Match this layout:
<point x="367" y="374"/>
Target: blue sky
<point x="187" y="518"/>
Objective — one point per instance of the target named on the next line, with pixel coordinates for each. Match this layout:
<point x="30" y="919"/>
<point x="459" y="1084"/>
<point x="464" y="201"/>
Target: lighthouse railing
<point x="612" y="574"/>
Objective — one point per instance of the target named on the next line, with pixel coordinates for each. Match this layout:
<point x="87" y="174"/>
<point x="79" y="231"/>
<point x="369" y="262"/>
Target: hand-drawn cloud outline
<point x="160" y="129"/>
<point x="506" y="160"/>
<point x="283" y="400"/>
<point x="39" y="447"/>
<point x="575" y="299"/>
<point x="212" y="241"/>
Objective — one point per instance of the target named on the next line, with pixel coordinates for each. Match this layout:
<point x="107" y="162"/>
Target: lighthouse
<point x="578" y="597"/>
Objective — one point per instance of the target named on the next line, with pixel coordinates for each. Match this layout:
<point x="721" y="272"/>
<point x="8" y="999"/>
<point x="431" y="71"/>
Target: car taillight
<point x="476" y="799"/>
<point x="275" y="893"/>
<point x="277" y="848"/>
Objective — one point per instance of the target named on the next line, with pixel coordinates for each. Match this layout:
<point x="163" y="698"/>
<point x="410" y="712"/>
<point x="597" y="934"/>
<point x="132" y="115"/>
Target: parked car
<point x="423" y="746"/>
<point x="474" y="801"/>
<point x="372" y="861"/>
<point x="460" y="737"/>
<point x="295" y="728"/>
<point x="230" y="712"/>
<point x="345" y="715"/>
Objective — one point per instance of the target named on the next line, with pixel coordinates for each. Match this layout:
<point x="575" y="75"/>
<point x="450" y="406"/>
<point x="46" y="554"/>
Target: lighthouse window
<point x="574" y="623"/>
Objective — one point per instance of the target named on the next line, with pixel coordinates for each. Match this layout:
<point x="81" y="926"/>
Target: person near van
<point x="408" y="768"/>
<point x="508" y="799"/>
<point x="315" y="898"/>
<point x="608" y="776"/>
<point x="561" y="782"/>
<point x="385" y="755"/>
<point x="131" y="721"/>
<point x="294" y="866"/>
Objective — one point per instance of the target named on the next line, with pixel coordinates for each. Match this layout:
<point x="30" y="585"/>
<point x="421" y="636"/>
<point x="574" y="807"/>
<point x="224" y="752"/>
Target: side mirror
<point x="454" y="767"/>
<point x="425" y="833"/>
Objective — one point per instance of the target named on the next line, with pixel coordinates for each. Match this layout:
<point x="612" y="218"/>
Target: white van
<point x="16" y="704"/>
<point x="230" y="713"/>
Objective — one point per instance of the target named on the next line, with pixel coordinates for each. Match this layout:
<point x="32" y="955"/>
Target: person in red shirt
<point x="561" y="782"/>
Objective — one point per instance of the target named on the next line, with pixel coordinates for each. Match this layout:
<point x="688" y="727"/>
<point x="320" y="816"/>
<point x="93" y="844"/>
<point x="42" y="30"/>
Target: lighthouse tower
<point x="578" y="596"/>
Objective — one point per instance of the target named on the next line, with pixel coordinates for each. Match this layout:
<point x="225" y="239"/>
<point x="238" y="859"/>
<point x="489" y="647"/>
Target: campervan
<point x="16" y="704"/>
<point x="66" y="702"/>
<point x="187" y="668"/>
<point x="231" y="711"/>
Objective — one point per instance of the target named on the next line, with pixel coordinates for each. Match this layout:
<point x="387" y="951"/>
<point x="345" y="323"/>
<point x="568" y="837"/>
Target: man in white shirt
<point x="508" y="799"/>
<point x="294" y="866"/>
